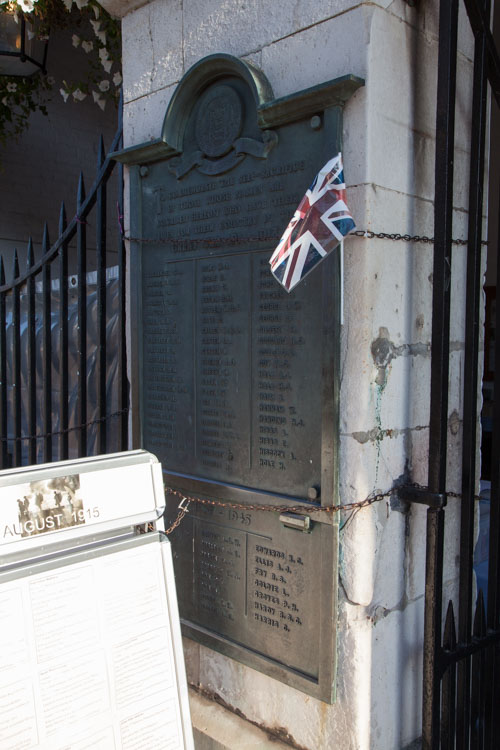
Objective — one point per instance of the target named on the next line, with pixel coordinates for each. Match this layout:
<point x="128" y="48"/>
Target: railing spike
<point x="479" y="626"/>
<point x="15" y="265"/>
<point x="45" y="240"/>
<point x="449" y="685"/>
<point x="2" y="271"/>
<point x="63" y="222"/>
<point x="80" y="196"/>
<point x="30" y="256"/>
<point x="101" y="154"/>
<point x="449" y="635"/>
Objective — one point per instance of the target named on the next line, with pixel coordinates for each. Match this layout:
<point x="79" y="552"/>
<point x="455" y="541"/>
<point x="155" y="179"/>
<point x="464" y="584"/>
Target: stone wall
<point x="389" y="137"/>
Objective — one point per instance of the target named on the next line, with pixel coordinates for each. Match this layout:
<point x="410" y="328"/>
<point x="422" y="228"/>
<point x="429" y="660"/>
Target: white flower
<point x="97" y="11"/>
<point x="31" y="34"/>
<point x="5" y="101"/>
<point x="26" y="5"/>
<point x="11" y="87"/>
<point x="78" y="95"/>
<point x="64" y="94"/>
<point x="99" y="100"/>
<point x="101" y="35"/>
<point x="51" y="80"/>
<point x="106" y="63"/>
<point x="104" y="85"/>
<point x="88" y="46"/>
<point x="81" y="3"/>
<point x="117" y="78"/>
<point x="76" y="40"/>
<point x="68" y="4"/>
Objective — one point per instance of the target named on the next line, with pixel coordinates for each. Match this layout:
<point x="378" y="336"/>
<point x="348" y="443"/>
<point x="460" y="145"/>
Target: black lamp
<point x="20" y="55"/>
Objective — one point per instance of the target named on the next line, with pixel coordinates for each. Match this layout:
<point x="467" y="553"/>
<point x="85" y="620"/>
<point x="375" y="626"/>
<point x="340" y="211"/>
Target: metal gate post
<point x="443" y="215"/>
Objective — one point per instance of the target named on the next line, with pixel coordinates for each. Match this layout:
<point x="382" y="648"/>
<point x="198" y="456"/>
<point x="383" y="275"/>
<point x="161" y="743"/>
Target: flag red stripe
<point x="289" y="275"/>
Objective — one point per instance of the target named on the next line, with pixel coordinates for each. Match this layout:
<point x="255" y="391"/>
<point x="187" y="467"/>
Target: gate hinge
<point x="422" y="495"/>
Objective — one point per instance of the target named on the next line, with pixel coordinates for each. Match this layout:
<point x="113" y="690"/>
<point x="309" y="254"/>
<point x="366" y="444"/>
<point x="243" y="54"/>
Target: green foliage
<point x="19" y="97"/>
<point x="96" y="38"/>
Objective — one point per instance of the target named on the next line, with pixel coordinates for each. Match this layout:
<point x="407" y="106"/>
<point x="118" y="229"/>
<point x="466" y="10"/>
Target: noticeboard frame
<point x="128" y="511"/>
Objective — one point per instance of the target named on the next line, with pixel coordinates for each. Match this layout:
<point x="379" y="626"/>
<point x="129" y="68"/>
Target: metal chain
<point x="395" y="237"/>
<point x="44" y="435"/>
<point x="183" y="509"/>
<point x="217" y="241"/>
<point x="279" y="508"/>
<point x="176" y="523"/>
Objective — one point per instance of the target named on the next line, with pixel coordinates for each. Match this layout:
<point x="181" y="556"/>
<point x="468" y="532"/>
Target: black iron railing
<point x="461" y="690"/>
<point x="63" y="382"/>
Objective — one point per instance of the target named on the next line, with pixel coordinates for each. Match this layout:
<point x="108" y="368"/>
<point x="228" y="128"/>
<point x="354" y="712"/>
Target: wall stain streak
<point x="376" y="434"/>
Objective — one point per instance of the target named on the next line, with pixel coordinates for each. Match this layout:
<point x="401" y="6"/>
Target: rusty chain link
<point x="183" y="509"/>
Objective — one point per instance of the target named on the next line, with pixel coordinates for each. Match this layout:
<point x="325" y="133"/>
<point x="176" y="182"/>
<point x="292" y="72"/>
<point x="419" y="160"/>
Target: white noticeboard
<point x="90" y="650"/>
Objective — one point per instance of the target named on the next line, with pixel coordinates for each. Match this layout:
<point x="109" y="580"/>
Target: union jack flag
<point x="319" y="224"/>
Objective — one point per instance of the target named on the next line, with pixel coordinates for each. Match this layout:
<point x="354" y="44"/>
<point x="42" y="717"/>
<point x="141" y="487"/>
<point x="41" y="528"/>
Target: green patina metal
<point x="237" y="381"/>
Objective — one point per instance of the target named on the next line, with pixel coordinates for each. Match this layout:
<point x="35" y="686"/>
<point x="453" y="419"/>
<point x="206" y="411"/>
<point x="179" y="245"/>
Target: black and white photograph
<point x="49" y="505"/>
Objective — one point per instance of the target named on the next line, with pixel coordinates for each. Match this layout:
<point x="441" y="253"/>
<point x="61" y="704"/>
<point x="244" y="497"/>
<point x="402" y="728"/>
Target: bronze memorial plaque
<point x="237" y="381"/>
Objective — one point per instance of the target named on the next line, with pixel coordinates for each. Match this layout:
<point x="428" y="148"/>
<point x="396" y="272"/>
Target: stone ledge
<point x="120" y="8"/>
<point x="216" y="728"/>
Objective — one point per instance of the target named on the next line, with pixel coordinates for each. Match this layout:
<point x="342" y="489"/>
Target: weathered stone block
<point x="319" y="53"/>
<point x="415" y="567"/>
<point x="152" y="37"/>
<point x="389" y="586"/>
<point x="139" y="125"/>
<point x="242" y="27"/>
<point x="396" y="659"/>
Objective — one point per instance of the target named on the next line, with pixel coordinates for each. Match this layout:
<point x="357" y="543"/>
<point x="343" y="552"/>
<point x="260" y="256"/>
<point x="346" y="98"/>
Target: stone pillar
<point x="389" y="136"/>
